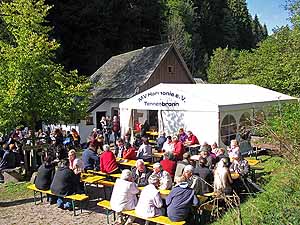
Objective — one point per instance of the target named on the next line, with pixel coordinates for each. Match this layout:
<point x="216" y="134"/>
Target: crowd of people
<point x="182" y="170"/>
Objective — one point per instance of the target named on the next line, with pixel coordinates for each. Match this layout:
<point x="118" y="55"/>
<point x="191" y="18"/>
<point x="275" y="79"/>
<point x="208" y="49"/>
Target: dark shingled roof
<point x="121" y="75"/>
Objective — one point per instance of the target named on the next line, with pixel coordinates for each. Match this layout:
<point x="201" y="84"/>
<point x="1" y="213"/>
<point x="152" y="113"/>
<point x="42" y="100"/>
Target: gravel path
<point x="25" y="212"/>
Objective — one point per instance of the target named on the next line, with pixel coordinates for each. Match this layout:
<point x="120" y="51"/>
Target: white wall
<point x="203" y="124"/>
<point x="85" y="130"/>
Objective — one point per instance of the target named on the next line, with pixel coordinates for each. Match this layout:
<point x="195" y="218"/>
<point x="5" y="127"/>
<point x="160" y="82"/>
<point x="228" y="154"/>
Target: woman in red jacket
<point x="129" y="152"/>
<point x="108" y="163"/>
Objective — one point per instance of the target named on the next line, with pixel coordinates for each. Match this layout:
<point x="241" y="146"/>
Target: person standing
<point x="116" y="128"/>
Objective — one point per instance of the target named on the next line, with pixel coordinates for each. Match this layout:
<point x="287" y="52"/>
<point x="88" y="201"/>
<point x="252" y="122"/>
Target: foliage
<point x="222" y="66"/>
<point x="179" y="26"/>
<point x="283" y="126"/>
<point x="32" y="86"/>
<point x="92" y="31"/>
<point x="279" y="204"/>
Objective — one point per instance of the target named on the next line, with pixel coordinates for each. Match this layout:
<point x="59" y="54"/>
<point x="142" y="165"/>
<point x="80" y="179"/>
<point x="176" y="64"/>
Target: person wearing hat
<point x="150" y="202"/>
<point x="123" y="196"/>
<point x="164" y="177"/>
<point x="204" y="153"/>
<point x="181" y="164"/>
<point x="129" y="152"/>
<point x="180" y="201"/>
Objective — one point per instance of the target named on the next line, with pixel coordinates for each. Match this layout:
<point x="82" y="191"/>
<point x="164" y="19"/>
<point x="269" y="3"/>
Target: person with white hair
<point x="108" y="162"/>
<point x="222" y="179"/>
<point x="179" y="149"/>
<point x="123" y="196"/>
<point x="193" y="181"/>
<point x="164" y="177"/>
<point x="141" y="173"/>
<point x="150" y="202"/>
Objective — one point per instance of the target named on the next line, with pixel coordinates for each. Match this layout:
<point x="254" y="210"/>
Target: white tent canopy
<point x="198" y="107"/>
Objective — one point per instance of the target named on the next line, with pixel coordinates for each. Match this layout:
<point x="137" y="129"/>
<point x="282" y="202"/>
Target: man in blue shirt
<point x="90" y="158"/>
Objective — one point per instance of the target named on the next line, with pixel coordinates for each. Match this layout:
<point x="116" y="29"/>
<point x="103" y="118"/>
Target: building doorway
<point x="98" y="119"/>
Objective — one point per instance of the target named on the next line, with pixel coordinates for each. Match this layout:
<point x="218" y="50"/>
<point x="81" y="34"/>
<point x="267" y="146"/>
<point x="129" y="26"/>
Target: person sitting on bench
<point x="45" y="176"/>
<point x="180" y="201"/>
<point x="150" y="202"/>
<point x="8" y="161"/>
<point x="108" y="162"/>
<point x="123" y="196"/>
<point x="64" y="183"/>
<point x="141" y="173"/>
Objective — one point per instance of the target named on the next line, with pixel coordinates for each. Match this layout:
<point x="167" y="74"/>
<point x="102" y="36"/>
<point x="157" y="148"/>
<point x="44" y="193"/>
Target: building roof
<point x="122" y="75"/>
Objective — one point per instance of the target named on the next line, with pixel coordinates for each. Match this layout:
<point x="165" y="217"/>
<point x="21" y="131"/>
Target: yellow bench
<point x="158" y="219"/>
<point x="76" y="197"/>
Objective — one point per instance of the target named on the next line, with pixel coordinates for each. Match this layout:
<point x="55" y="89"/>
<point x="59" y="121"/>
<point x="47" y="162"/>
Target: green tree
<point x="242" y="20"/>
<point x="32" y="86"/>
<point x="91" y="32"/>
<point x="259" y="32"/>
<point x="179" y="16"/>
<point x="222" y="66"/>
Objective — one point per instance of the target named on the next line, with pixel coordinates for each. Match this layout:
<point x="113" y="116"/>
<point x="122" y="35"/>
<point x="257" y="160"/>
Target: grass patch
<point x="14" y="191"/>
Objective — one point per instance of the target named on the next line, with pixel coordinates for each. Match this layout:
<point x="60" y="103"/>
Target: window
<point x="89" y="120"/>
<point x="259" y="117"/>
<point x="228" y="129"/>
<point x="171" y="69"/>
<point x="245" y="120"/>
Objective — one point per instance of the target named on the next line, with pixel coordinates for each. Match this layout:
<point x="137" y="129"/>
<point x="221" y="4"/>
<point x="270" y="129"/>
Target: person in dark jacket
<point x="161" y="140"/>
<point x="90" y="158"/>
<point x="206" y="177"/>
<point x="8" y="160"/>
<point x="180" y="201"/>
<point x="45" y="174"/>
<point x="141" y="173"/>
<point x="64" y="183"/>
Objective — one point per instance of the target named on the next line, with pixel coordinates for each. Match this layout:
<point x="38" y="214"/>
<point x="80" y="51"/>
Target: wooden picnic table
<point x="93" y="179"/>
<point x="129" y="162"/>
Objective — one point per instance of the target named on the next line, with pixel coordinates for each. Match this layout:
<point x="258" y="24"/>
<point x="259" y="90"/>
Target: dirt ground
<point x="23" y="211"/>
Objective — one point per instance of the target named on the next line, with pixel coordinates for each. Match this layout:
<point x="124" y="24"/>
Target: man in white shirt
<point x="123" y="196"/>
<point x="150" y="202"/>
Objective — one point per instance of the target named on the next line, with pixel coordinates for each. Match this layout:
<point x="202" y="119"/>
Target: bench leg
<point x="34" y="198"/>
<point x="107" y="216"/>
<point x="73" y="206"/>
